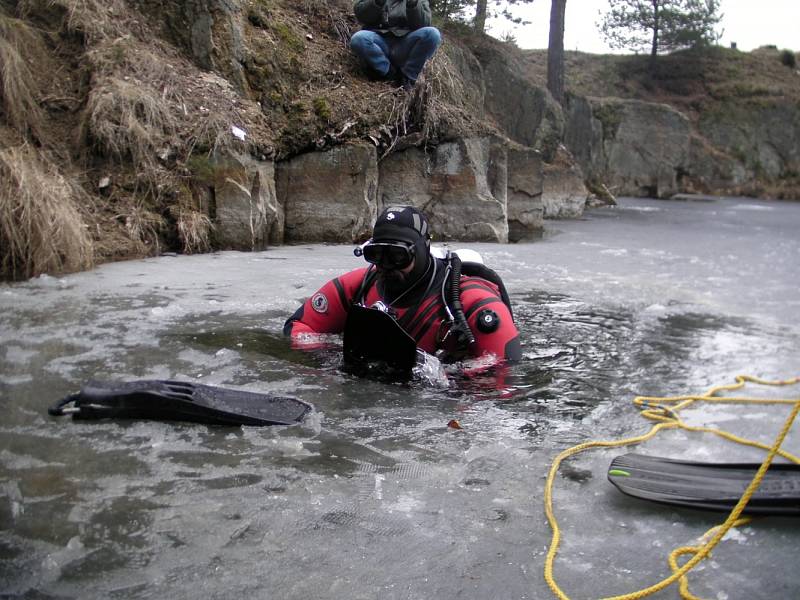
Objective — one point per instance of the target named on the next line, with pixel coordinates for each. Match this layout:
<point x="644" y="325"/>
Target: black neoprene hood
<point x="402" y="224"/>
<point x="405" y="224"/>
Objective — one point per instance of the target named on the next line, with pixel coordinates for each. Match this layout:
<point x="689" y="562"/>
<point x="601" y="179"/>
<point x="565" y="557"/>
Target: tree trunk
<point x="656" y="28"/>
<point x="555" y="50"/>
<point x="480" y="16"/>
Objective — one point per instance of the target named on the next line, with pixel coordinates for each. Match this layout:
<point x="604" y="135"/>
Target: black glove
<point x="411" y="3"/>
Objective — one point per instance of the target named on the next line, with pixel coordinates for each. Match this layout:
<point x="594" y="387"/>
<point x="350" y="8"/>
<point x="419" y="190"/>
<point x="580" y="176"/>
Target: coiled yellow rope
<point x="665" y="411"/>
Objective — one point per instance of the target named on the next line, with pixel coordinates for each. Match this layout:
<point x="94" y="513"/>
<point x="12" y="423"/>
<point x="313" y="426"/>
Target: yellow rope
<point x="665" y="412"/>
<point x="673" y="558"/>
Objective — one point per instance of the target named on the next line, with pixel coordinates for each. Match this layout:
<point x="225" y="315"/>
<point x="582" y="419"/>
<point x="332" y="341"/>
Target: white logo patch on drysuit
<point x="319" y="302"/>
<point x="390" y="216"/>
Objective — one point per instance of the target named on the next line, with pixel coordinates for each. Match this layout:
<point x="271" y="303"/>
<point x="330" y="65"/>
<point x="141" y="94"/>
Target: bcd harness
<point x="458" y="336"/>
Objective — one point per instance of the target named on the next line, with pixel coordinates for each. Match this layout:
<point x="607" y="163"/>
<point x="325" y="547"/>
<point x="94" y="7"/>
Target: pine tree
<point x="663" y="25"/>
<point x="477" y="11"/>
<point x="451" y="10"/>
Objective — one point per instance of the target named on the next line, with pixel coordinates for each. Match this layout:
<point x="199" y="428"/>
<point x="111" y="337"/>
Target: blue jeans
<point x="408" y="53"/>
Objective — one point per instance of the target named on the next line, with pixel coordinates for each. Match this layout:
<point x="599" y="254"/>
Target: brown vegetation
<point x="20" y="98"/>
<point x="42" y="229"/>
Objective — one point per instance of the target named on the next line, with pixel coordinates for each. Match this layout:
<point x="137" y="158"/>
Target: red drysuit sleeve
<point x="326" y="310"/>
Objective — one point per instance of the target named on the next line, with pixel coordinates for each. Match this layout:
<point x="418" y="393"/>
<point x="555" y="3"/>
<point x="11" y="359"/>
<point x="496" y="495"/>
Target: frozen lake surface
<point x="375" y="496"/>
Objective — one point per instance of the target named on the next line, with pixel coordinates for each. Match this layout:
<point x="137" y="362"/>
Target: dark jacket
<point x="398" y="17"/>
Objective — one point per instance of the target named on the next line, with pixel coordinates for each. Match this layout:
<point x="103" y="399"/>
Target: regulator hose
<point x="460" y="326"/>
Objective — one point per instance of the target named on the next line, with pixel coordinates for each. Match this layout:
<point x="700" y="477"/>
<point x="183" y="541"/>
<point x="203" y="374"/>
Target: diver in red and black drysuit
<point x="418" y="290"/>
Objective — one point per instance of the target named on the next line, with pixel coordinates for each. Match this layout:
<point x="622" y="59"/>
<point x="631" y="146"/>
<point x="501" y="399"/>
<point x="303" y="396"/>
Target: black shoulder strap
<point x="366" y="283"/>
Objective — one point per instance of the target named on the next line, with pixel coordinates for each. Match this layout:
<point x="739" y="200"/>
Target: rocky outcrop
<point x="646" y="149"/>
<point x="763" y="138"/>
<point x="564" y="194"/>
<point x="460" y="185"/>
<point x="472" y="189"/>
<point x="583" y="136"/>
<point x="637" y="148"/>
<point x="711" y="168"/>
<point x="524" y="110"/>
<point x="473" y="89"/>
<point x="329" y="196"/>
<point x="525" y="186"/>
<point x="247" y="214"/>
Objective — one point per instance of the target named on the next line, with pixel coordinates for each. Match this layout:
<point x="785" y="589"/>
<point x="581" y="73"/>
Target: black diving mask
<point x="389" y="255"/>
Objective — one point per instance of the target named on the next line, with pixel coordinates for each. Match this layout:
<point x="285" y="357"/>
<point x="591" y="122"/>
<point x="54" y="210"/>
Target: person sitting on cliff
<point x="396" y="40"/>
<point x="470" y="319"/>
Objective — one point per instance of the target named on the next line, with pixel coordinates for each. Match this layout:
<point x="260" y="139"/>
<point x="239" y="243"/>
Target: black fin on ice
<point x="180" y="401"/>
<point x="711" y="486"/>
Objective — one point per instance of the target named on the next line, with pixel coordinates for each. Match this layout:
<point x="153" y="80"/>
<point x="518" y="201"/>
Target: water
<point x="375" y="496"/>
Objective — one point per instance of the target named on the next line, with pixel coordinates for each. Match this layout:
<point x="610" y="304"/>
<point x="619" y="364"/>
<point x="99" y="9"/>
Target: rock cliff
<point x="714" y="120"/>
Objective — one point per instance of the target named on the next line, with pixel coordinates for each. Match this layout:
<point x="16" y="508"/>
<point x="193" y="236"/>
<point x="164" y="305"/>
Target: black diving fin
<point x="711" y="486"/>
<point x="180" y="401"/>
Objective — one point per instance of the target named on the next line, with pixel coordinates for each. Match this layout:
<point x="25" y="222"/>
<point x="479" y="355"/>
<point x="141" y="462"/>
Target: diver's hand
<point x="312" y="341"/>
<point x="430" y="370"/>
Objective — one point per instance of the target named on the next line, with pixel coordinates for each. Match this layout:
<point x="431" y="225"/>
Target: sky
<point x="748" y="23"/>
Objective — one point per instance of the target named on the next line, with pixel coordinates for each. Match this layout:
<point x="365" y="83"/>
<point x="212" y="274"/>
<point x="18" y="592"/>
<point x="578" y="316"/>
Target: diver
<point x="455" y="311"/>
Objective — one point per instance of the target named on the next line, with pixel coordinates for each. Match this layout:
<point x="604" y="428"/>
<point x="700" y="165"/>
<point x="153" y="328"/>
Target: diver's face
<point x="395" y="277"/>
<point x="394" y="262"/>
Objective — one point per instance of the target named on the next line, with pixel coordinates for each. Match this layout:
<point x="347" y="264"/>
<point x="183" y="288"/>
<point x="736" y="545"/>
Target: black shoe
<point x="392" y="74"/>
<point x="408" y="84"/>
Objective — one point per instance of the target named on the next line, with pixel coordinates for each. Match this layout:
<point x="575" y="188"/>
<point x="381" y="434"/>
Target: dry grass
<point x="95" y="19"/>
<point x="441" y="98"/>
<point x="334" y="11"/>
<point x="144" y="226"/>
<point x="18" y="91"/>
<point x="194" y="227"/>
<point x="130" y="111"/>
<point x="212" y="135"/>
<point x="128" y="120"/>
<point x="134" y="110"/>
<point x="435" y="104"/>
<point x="128" y="57"/>
<point x="41" y="228"/>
